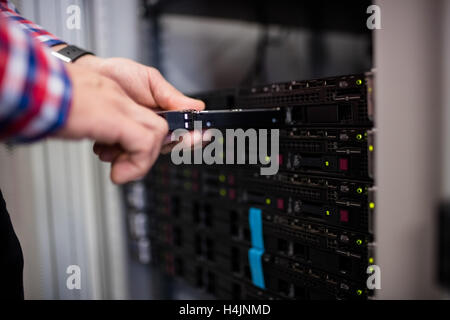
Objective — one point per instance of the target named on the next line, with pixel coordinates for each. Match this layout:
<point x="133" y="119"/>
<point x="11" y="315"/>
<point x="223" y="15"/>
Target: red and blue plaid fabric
<point x="35" y="89"/>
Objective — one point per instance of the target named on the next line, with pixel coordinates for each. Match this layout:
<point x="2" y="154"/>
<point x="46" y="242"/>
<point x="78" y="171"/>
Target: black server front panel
<point x="303" y="233"/>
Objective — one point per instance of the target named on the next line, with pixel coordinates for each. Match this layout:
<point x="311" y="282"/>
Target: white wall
<point x="409" y="91"/>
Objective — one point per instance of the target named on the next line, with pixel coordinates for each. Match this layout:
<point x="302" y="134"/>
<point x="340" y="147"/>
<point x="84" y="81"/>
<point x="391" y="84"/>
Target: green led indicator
<point x="372" y="205"/>
<point x="359" y="292"/>
<point x="222" y="178"/>
<point x="359" y="136"/>
<point x="268" y="201"/>
<point x="223" y="192"/>
<point x="328" y="212"/>
<point x="359" y="190"/>
<point x="359" y="242"/>
<point x="327" y="164"/>
<point x="359" y="82"/>
<point x="187" y="185"/>
<point x="371" y="148"/>
<point x="370" y="260"/>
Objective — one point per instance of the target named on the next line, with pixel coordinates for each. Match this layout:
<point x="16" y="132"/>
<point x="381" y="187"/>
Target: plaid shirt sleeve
<point x="8" y="10"/>
<point x="35" y="89"/>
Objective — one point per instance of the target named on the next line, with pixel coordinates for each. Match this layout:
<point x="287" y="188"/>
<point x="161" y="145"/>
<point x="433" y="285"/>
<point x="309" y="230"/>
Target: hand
<point x="102" y="111"/>
<point x="145" y="85"/>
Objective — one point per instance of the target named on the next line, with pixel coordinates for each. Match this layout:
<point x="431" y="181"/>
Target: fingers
<point x="165" y="149"/>
<point x="141" y="148"/>
<point x="145" y="116"/>
<point x="128" y="135"/>
<point x="190" y="140"/>
<point x="107" y="153"/>
<point x="169" y="98"/>
<point x="146" y="85"/>
<point x="131" y="141"/>
<point x="137" y="146"/>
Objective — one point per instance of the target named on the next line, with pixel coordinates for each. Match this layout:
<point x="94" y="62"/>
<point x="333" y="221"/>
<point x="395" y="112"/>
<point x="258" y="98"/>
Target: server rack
<point x="303" y="233"/>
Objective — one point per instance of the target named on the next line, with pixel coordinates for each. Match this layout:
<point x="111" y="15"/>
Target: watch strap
<point x="70" y="53"/>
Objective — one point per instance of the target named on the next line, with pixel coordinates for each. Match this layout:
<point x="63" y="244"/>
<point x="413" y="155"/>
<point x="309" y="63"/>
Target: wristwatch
<point x="70" y="53"/>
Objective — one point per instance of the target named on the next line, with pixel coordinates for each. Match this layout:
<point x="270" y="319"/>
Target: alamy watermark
<point x="73" y="21"/>
<point x="374" y="20"/>
<point x="220" y="150"/>
<point x="374" y="280"/>
<point x="73" y="281"/>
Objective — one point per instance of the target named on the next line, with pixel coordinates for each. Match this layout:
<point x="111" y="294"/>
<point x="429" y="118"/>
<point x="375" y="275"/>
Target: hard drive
<point x="223" y="119"/>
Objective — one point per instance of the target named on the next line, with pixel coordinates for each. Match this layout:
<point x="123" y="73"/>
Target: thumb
<point x="168" y="97"/>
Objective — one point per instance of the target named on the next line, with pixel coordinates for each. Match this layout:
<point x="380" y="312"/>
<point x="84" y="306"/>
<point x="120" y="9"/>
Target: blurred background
<point x="66" y="211"/>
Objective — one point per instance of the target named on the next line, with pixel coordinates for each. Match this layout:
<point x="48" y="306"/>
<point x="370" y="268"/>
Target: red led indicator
<point x="280" y="159"/>
<point x="280" y="204"/>
<point x="232" y="194"/>
<point x="343" y="164"/>
<point x="343" y="215"/>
